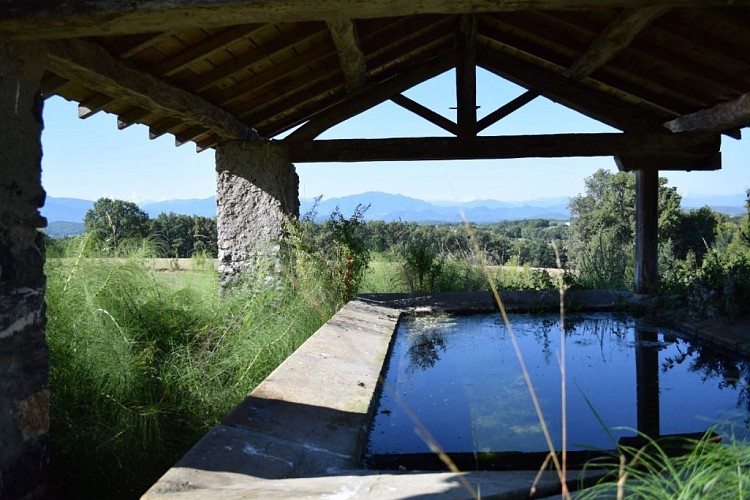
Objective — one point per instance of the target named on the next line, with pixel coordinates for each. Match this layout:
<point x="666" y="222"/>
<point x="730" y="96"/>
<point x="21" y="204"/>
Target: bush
<point x="721" y="287"/>
<point x="332" y="258"/>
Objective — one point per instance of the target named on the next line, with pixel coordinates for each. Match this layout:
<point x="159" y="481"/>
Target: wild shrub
<point x="332" y="257"/>
<point x="721" y="286"/>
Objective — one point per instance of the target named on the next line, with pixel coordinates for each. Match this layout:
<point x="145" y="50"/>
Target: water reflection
<point x="647" y="382"/>
<point x="425" y="349"/>
<point x="461" y="377"/>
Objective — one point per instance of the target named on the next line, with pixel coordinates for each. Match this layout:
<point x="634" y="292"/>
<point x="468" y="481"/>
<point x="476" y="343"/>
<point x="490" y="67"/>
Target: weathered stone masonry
<point x="24" y="402"/>
<point x="257" y="189"/>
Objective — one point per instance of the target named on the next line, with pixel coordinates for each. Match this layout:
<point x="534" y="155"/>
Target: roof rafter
<point x="352" y="59"/>
<point x="92" y="66"/>
<point x="574" y="95"/>
<point x="82" y="18"/>
<point x="724" y="116"/>
<point x="369" y="96"/>
<point x="615" y="38"/>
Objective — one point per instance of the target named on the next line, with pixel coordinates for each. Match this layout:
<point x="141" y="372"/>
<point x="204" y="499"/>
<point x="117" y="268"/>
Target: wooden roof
<point x="205" y="71"/>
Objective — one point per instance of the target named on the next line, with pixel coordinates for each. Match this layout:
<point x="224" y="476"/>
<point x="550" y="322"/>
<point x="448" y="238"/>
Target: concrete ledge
<point x="301" y="432"/>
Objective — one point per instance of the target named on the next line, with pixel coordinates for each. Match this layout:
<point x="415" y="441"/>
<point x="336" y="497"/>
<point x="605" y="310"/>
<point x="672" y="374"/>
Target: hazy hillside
<point x="383" y="206"/>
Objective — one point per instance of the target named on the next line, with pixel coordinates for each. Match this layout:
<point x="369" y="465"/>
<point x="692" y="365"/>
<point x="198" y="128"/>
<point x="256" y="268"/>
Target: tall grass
<point x="707" y="469"/>
<point x="141" y="367"/>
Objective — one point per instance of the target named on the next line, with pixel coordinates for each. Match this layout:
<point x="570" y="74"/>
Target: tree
<point x="113" y="221"/>
<point x="603" y="225"/>
<point x="696" y="233"/>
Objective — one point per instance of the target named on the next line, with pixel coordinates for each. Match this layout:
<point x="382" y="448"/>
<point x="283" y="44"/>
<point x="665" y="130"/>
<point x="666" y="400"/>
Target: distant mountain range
<point x="65" y="215"/>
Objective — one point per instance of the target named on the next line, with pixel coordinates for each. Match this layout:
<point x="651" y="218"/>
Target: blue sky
<point x="91" y="158"/>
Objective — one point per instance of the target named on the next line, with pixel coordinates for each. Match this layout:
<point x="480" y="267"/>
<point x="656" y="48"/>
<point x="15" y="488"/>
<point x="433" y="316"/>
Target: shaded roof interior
<point x="274" y="77"/>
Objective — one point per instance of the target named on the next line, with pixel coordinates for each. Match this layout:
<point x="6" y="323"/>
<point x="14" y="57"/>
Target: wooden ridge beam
<point x="351" y="58"/>
<point x="615" y="38"/>
<point x="26" y="20"/>
<point x="503" y="147"/>
<point x="369" y="96"/>
<point x="725" y="116"/>
<point x="93" y="67"/>
<point x="466" y="76"/>
<point x="426" y="113"/>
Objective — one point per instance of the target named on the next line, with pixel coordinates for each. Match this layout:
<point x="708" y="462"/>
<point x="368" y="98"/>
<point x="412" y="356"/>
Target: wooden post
<point x="646" y="225"/>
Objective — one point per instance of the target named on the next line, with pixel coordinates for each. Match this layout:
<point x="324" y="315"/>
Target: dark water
<point x="461" y="378"/>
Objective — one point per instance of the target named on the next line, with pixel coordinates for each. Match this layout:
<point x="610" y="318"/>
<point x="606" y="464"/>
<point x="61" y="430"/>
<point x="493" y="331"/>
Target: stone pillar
<point x="257" y="190"/>
<point x="24" y="402"/>
<point x="646" y="230"/>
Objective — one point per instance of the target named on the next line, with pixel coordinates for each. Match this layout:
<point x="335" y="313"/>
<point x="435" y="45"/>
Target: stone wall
<point x="257" y="189"/>
<point x="24" y="402"/>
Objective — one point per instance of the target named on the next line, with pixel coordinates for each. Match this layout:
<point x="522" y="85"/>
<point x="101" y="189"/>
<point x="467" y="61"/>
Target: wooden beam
<point x="614" y="39"/>
<point x="130" y="117"/>
<point x="632" y="162"/>
<point x="724" y="116"/>
<point x="204" y="49"/>
<point x="369" y="96"/>
<point x="92" y="106"/>
<point x="236" y="65"/>
<point x="26" y="20"/>
<point x="426" y="113"/>
<point x="574" y="95"/>
<point x="507" y="109"/>
<point x="161" y="127"/>
<point x="352" y="59"/>
<point x="93" y="67"/>
<point x="503" y="147"/>
<point x="466" y="76"/>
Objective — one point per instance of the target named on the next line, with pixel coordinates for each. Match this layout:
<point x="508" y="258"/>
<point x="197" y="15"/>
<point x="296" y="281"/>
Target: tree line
<point x="110" y="223"/>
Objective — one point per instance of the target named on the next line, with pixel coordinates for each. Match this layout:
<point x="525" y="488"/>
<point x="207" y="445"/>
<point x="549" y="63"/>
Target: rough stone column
<point x="646" y="230"/>
<point x="257" y="189"/>
<point x="24" y="402"/>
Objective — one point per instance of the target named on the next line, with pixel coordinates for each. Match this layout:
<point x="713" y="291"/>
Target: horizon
<point x="90" y="159"/>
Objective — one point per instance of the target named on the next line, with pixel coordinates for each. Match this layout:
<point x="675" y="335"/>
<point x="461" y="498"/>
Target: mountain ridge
<point x="388" y="207"/>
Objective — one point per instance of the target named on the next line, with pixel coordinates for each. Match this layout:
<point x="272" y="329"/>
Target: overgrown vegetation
<point x="142" y="364"/>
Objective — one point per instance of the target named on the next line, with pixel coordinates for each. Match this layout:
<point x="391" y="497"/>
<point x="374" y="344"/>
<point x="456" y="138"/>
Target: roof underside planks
<point x="632" y="68"/>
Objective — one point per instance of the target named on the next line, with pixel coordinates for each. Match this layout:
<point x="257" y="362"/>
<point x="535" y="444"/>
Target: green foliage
<point x="524" y="278"/>
<point x="708" y="469"/>
<point x="422" y="266"/>
<point x="694" y="231"/>
<point x="720" y="287"/>
<point x="333" y="255"/>
<point x="602" y="243"/>
<point x="142" y="364"/>
<point x="111" y="222"/>
<point x="745" y="224"/>
<point x="184" y="235"/>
